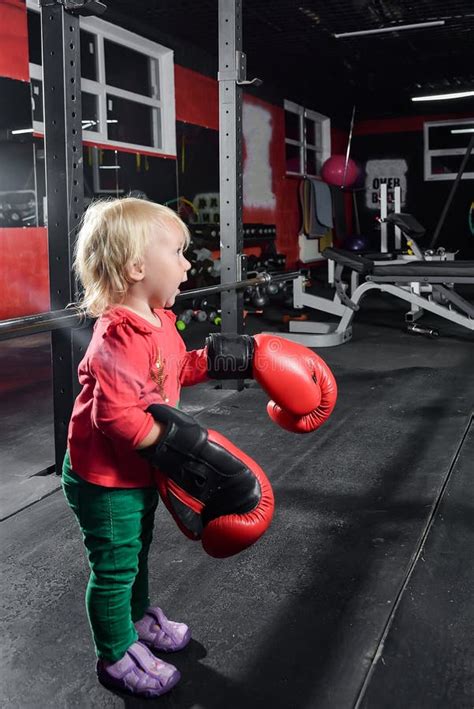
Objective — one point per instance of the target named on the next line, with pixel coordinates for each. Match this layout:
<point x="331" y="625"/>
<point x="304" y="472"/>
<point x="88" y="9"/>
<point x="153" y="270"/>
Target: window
<point x="37" y="100"/>
<point x="131" y="122"/>
<point x="90" y="112"/>
<point x="141" y="74"/>
<point x="127" y="86"/>
<point x="89" y="65"/>
<point x="307" y="140"/>
<point x="444" y="149"/>
<point x="34" y="37"/>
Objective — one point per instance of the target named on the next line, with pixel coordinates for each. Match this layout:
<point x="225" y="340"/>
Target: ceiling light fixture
<point x="393" y="28"/>
<point x="442" y="97"/>
<point x="22" y="130"/>
<point x="463" y="130"/>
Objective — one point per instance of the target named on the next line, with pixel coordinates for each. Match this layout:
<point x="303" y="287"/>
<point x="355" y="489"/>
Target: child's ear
<point x="135" y="271"/>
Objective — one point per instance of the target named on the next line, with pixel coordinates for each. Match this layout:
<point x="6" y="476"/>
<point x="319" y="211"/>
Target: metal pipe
<point x="59" y="319"/>
<point x="348" y="151"/>
<point x="262" y="279"/>
<point x="41" y="322"/>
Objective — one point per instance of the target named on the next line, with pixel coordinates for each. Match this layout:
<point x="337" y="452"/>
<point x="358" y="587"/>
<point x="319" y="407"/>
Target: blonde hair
<point x="115" y="232"/>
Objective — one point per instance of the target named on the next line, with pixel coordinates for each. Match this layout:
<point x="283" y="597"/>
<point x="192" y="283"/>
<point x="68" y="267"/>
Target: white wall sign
<point x="257" y="177"/>
<point x="393" y="172"/>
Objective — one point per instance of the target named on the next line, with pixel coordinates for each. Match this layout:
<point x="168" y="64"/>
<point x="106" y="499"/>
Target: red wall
<point x="285" y="214"/>
<point x="197" y="98"/>
<point x="14" y="40"/>
<point x="402" y="125"/>
<point x="24" y="280"/>
<point x="197" y="101"/>
<point x="24" y="277"/>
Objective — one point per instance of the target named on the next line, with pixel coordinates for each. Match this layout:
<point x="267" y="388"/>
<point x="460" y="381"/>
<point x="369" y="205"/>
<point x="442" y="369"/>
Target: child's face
<point x="165" y="266"/>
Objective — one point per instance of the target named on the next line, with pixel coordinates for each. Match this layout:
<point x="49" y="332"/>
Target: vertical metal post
<point x="231" y="70"/>
<point x="383" y="216"/>
<point x="397" y="209"/>
<point x="65" y="194"/>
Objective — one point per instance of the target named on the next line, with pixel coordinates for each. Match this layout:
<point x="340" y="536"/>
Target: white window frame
<point x="165" y="104"/>
<point x="325" y="124"/>
<point x="428" y="154"/>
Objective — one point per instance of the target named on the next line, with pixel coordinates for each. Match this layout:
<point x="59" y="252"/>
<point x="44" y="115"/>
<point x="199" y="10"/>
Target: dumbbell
<point x="216" y="268"/>
<point x="259" y="298"/>
<point x="204" y="267"/>
<point x="248" y="293"/>
<point x="200" y="315"/>
<point x="415" y="329"/>
<point x="184" y="319"/>
<point x="215" y="317"/>
<point x="199" y="303"/>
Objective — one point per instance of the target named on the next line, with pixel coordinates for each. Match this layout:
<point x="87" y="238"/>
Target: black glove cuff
<point x="229" y="356"/>
<point x="183" y="436"/>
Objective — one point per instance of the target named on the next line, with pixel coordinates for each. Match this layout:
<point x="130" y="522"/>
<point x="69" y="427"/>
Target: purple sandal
<point x="168" y="637"/>
<point x="138" y="673"/>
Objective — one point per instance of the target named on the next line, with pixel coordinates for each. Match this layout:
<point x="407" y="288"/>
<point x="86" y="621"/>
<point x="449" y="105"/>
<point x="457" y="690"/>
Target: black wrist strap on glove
<point x="183" y="437"/>
<point x="229" y="356"/>
<point x="205" y="470"/>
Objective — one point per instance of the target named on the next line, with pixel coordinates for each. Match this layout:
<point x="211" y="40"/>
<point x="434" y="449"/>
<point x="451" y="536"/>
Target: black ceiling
<point x="290" y="45"/>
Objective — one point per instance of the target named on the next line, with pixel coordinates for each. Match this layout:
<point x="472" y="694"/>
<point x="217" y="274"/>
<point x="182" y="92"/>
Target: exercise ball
<point x="356" y="242"/>
<point x="334" y="168"/>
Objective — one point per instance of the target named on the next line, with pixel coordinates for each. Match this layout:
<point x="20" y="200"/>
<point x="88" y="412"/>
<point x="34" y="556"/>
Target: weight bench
<point x="426" y="285"/>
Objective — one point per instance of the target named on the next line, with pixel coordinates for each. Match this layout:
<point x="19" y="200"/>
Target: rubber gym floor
<point x="359" y="595"/>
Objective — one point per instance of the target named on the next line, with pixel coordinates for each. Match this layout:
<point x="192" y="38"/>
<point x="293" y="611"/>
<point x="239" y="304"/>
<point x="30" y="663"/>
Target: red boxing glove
<point x="214" y="491"/>
<point x="300" y="383"/>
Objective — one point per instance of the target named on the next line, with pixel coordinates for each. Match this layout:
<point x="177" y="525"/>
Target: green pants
<point x="117" y="528"/>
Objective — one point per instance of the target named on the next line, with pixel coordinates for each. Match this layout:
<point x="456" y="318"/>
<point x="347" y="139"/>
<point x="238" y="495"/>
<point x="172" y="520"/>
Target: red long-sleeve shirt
<point x="129" y="364"/>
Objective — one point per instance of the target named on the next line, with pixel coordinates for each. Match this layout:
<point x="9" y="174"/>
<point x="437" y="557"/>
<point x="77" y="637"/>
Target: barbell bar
<point x="67" y="318"/>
